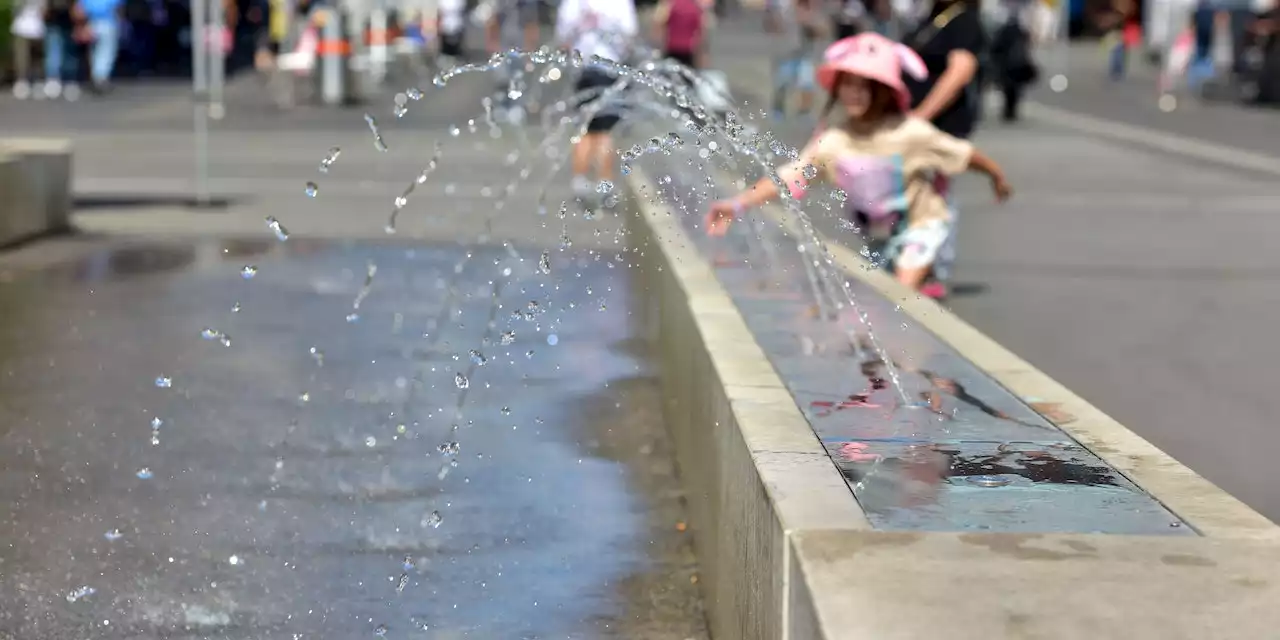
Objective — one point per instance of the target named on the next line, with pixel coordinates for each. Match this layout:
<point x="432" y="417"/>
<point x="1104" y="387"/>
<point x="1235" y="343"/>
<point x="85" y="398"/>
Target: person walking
<point x="603" y="29"/>
<point x="949" y="41"/>
<point x="678" y="27"/>
<point x="801" y="26"/>
<point x="103" y="37"/>
<point x="64" y="26"/>
<point x="27" y="30"/>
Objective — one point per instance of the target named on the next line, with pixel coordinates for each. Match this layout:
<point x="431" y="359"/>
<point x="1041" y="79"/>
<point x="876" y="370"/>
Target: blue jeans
<point x="106" y="45"/>
<point x="60" y="60"/>
<point x="1119" y="60"/>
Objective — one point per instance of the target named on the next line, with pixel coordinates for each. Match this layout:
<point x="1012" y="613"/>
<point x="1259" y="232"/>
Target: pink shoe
<point x="935" y="290"/>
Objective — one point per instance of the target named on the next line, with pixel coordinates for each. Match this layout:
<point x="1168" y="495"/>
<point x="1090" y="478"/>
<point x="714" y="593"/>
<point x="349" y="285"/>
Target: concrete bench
<point x="35" y="187"/>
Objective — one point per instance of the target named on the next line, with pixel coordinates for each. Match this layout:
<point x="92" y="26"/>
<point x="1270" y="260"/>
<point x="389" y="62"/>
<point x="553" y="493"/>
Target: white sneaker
<point x="22" y="89"/>
<point x="52" y="89"/>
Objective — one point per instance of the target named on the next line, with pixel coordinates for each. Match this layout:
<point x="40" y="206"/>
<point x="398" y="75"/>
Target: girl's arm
<point x="765" y="190"/>
<point x="980" y="162"/>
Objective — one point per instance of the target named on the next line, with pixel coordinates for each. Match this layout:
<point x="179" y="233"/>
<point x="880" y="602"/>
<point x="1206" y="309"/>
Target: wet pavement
<point x="925" y="440"/>
<point x="330" y="474"/>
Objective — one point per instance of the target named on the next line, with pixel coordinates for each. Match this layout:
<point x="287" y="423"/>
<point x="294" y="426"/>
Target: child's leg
<point x="915" y="250"/>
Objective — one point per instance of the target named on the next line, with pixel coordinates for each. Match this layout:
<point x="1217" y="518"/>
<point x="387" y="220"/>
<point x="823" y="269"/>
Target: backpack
<point x="684" y="26"/>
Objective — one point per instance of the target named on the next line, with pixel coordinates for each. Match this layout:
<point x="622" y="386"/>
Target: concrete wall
<point x="786" y="552"/>
<point x="35" y="187"/>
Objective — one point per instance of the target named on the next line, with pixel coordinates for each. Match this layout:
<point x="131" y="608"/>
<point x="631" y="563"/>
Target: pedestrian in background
<point x="27" y="30"/>
<point x="103" y="37"/>
<point x="800" y="26"/>
<point x="678" y="27"/>
<point x="64" y="26"/>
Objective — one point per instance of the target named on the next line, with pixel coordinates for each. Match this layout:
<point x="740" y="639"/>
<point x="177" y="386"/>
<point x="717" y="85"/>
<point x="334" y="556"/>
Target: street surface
<point x="286" y="492"/>
<point x="1142" y="280"/>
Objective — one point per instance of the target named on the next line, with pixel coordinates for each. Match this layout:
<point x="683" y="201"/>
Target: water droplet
<point x="113" y="535"/>
<point x="433" y="520"/>
<point x="605" y="186"/>
<point x="234" y="560"/>
<point x="164" y="382"/>
<point x="454" y="130"/>
<point x="156" y="423"/>
<point x="144" y="473"/>
<point x="414" y="93"/>
<point x="329" y="159"/>
<point x="80" y="593"/>
<point x="312" y="190"/>
<point x="506" y="411"/>
<point x="461" y="381"/>
<point x="478" y="358"/>
<point x="553" y="339"/>
<point x="353" y="317"/>
<point x="378" y="142"/>
<point x="449" y="448"/>
<point x="544" y="263"/>
<point x="507" y="337"/>
<point x="274" y="225"/>
<point x="399" y="110"/>
<point x="529" y="353"/>
<point x="989" y="481"/>
<point x="235" y="308"/>
<point x="402" y="582"/>
<point x="380" y="631"/>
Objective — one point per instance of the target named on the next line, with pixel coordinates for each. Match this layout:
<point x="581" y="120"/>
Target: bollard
<point x="333" y="54"/>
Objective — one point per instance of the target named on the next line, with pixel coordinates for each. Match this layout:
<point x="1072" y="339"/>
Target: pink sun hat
<point x="873" y="57"/>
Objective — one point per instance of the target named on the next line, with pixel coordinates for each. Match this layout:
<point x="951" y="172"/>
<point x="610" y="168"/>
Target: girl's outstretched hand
<point x="1001" y="188"/>
<point x="719" y="217"/>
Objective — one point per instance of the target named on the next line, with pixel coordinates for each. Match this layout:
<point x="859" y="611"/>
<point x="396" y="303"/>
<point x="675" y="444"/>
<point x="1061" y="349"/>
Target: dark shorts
<point x="688" y="59"/>
<point x="451" y="45"/>
<point x="597" y="81"/>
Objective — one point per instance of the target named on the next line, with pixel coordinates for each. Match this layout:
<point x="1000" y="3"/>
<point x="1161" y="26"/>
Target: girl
<point x="884" y="160"/>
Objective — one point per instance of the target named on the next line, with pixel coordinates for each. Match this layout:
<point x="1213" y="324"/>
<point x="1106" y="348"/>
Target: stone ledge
<point x="35" y="187"/>
<point x="904" y="586"/>
<point x="787" y="553"/>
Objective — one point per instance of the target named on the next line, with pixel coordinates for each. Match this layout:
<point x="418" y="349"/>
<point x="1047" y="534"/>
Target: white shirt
<point x="453" y="15"/>
<point x="602" y="28"/>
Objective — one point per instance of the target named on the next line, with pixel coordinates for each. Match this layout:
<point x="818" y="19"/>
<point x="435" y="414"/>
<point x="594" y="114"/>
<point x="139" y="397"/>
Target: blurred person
<point x="103" y="37"/>
<point x="949" y="41"/>
<point x="800" y="25"/>
<point x="603" y="28"/>
<point x="27" y="30"/>
<point x="143" y="18"/>
<point x="514" y="14"/>
<point x="883" y="158"/>
<point x="1014" y="66"/>
<point x="1124" y="32"/>
<point x="849" y="18"/>
<point x="678" y="27"/>
<point x="451" y="24"/>
<point x="64" y="23"/>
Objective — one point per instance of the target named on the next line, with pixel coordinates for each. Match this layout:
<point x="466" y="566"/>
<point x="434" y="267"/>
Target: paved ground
<point x="1140" y="279"/>
<point x="281" y="497"/>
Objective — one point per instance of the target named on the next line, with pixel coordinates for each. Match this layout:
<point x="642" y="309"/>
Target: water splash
<point x="378" y="142"/>
<point x="329" y="159"/>
<point x="274" y="225"/>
